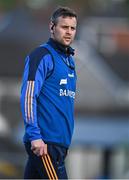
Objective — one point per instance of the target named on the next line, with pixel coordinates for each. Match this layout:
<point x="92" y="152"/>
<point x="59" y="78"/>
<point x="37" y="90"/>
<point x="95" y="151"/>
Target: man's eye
<point x="73" y="28"/>
<point x="65" y="27"/>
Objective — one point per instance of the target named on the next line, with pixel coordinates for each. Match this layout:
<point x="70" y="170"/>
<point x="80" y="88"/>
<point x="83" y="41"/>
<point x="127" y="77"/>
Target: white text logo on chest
<point x="63" y="81"/>
<point x="71" y="75"/>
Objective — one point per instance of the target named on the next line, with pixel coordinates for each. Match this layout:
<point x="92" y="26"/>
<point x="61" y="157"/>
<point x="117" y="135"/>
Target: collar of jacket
<point x="67" y="50"/>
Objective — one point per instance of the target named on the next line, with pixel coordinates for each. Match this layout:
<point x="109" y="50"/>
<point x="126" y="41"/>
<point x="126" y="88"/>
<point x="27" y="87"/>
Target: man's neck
<point x="62" y="48"/>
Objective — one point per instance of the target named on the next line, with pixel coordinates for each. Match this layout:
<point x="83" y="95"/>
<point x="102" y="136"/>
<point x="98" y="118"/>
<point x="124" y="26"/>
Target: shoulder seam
<point x="34" y="60"/>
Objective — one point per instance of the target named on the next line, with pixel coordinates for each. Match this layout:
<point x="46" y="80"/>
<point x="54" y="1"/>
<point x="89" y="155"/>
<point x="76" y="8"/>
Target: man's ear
<point x="51" y="27"/>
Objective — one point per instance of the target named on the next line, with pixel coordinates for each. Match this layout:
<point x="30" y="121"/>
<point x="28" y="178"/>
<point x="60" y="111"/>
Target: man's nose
<point x="69" y="31"/>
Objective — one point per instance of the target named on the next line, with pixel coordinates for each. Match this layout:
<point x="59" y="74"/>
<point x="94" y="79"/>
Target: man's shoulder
<point x="38" y="53"/>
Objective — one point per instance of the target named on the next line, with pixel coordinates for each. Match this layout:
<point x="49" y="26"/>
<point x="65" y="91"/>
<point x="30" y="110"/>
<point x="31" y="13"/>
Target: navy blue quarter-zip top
<point x="48" y="94"/>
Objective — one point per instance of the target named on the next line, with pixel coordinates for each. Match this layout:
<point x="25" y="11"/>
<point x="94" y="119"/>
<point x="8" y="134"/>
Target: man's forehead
<point x="67" y="19"/>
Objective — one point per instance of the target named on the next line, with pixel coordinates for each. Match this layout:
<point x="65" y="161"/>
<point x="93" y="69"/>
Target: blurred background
<point x="100" y="146"/>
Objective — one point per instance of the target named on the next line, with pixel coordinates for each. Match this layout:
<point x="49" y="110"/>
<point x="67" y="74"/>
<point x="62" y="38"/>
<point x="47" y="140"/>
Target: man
<point x="47" y="99"/>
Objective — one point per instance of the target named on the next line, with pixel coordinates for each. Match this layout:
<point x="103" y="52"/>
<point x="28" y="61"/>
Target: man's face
<point x="64" y="31"/>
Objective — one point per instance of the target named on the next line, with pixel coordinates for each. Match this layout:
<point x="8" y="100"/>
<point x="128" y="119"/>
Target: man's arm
<point x="36" y="70"/>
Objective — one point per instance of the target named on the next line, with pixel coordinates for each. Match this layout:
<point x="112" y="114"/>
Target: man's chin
<point x="67" y="43"/>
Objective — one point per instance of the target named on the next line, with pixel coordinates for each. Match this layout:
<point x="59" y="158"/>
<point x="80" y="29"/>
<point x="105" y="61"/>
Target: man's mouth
<point x="67" y="38"/>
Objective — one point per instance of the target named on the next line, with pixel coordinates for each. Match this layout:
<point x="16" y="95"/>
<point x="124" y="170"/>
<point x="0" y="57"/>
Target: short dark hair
<point x="64" y="12"/>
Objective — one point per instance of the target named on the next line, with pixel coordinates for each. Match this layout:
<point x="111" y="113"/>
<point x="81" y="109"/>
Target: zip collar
<point x="67" y="50"/>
